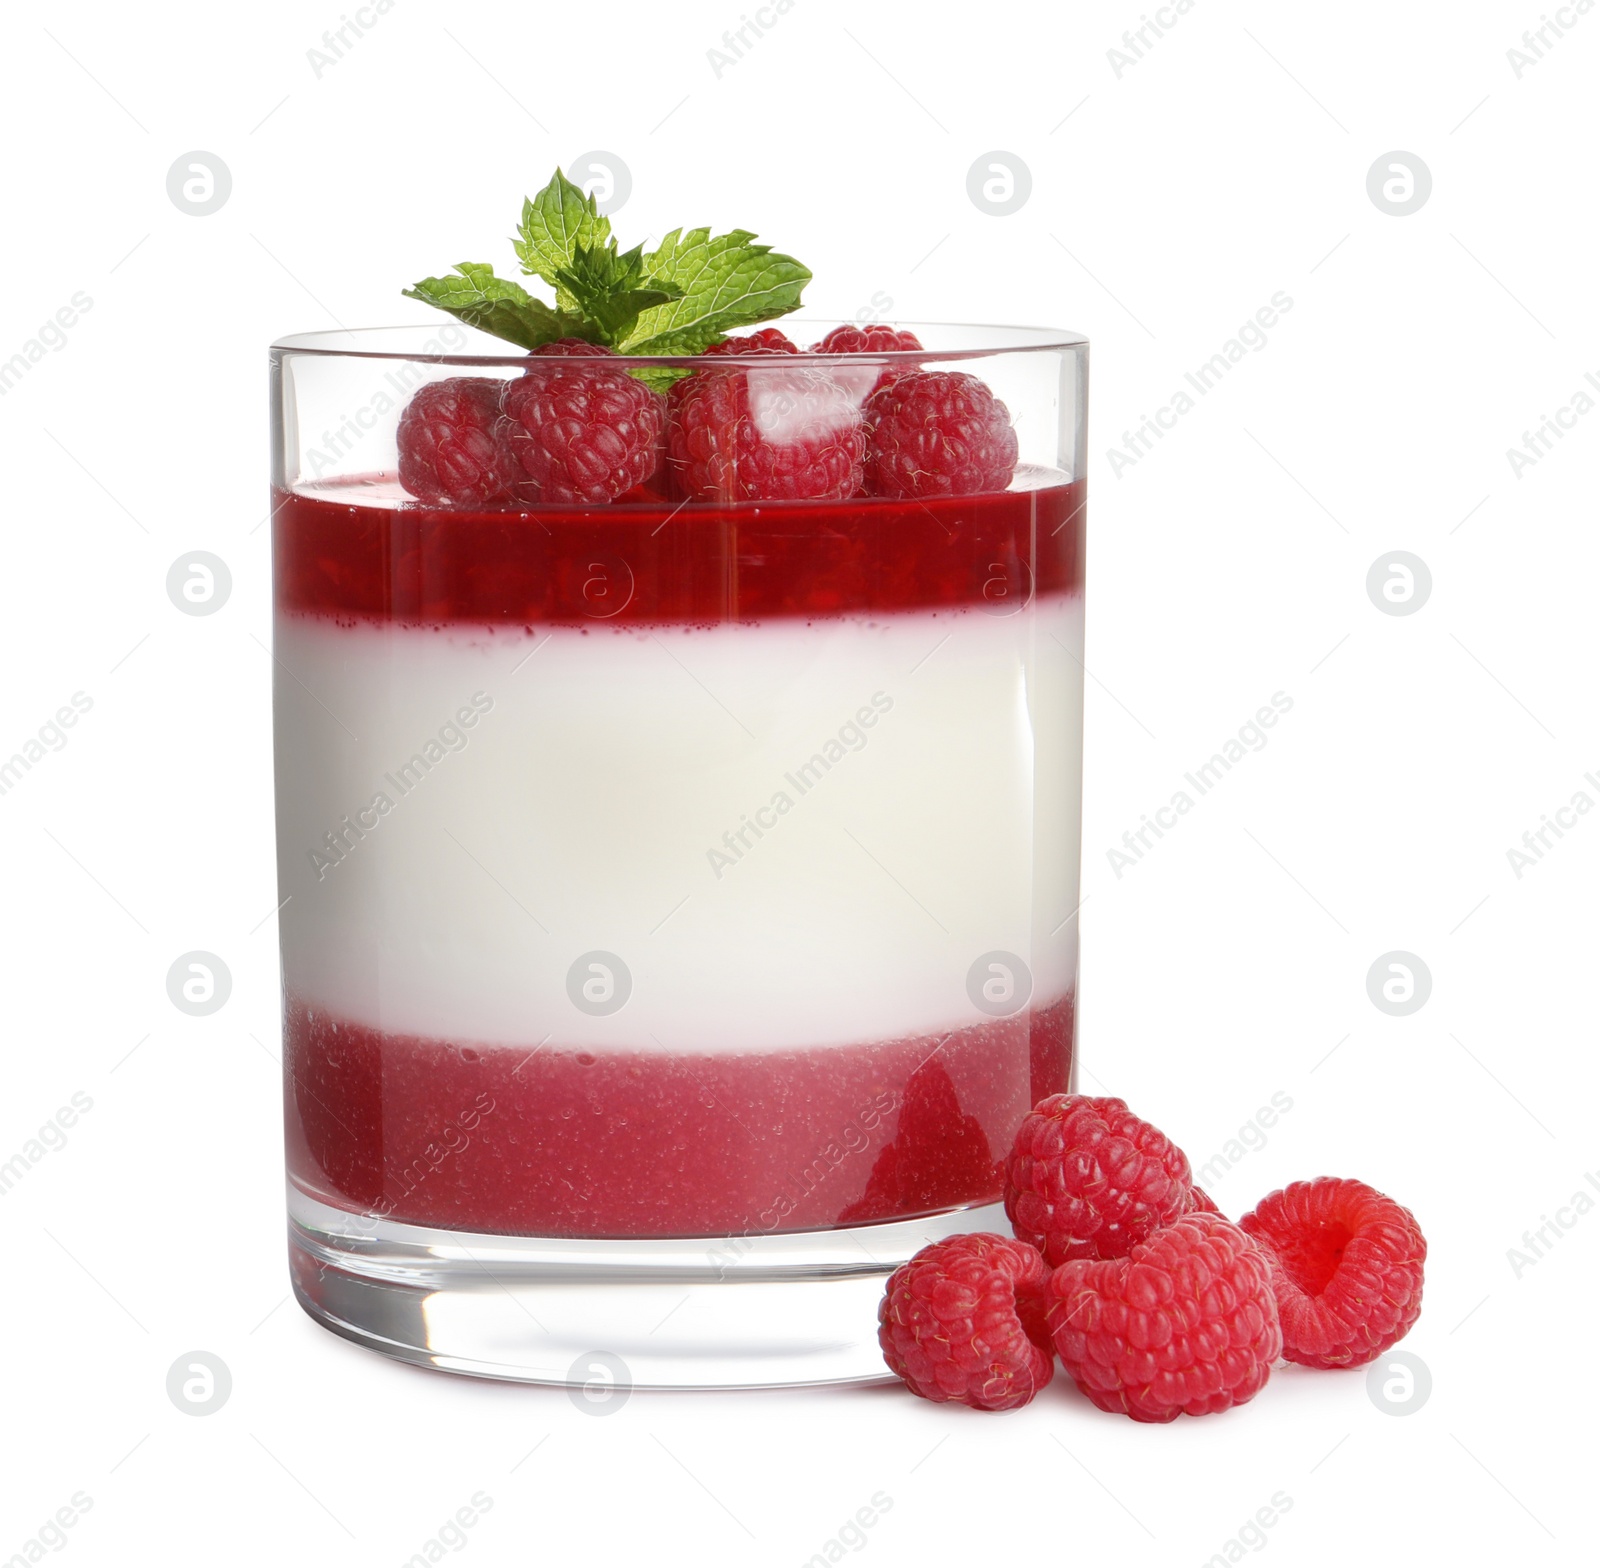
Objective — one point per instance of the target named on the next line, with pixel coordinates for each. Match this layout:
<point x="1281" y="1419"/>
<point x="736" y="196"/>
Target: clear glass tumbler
<point x="679" y="886"/>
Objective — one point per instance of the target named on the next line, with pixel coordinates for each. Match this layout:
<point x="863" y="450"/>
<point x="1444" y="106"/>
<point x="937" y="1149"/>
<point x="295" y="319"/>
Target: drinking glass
<point x="678" y="893"/>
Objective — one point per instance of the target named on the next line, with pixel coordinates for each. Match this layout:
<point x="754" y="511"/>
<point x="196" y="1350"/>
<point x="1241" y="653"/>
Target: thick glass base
<point x="606" y="1316"/>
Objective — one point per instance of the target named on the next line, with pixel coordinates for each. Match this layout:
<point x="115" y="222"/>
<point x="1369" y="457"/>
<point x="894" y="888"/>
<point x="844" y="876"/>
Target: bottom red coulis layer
<point x="550" y="1142"/>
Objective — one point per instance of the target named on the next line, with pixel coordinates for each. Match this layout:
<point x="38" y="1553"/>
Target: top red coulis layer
<point x="649" y="563"/>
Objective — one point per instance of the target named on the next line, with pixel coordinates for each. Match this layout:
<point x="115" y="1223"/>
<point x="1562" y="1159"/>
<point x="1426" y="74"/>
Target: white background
<point x="1167" y="205"/>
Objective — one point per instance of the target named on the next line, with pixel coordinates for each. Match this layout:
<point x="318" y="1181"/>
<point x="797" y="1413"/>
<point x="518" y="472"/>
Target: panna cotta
<point x="674" y="869"/>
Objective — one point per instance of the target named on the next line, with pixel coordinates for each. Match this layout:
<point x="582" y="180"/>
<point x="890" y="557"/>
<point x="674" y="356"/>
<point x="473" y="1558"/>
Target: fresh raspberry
<point x="875" y="338"/>
<point x="769" y="340"/>
<point x="1200" y="1202"/>
<point x="1347" y="1269"/>
<point x="580" y="431"/>
<point x="1186" y="1324"/>
<point x="1088" y="1179"/>
<point x="774" y="434"/>
<point x="452" y="449"/>
<point x="964" y="1321"/>
<point x="938" y="432"/>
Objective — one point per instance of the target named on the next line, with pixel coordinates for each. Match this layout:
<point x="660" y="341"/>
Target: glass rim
<point x="353" y="343"/>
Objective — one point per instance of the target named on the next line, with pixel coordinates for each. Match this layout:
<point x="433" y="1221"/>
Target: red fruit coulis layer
<point x="337" y="553"/>
<point x="559" y="1142"/>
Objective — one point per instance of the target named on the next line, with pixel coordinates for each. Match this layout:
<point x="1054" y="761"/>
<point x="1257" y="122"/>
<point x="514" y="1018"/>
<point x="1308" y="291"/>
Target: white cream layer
<point x="711" y="805"/>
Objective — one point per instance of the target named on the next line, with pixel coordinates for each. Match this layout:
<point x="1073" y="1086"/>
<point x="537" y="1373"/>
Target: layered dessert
<point x="677" y="777"/>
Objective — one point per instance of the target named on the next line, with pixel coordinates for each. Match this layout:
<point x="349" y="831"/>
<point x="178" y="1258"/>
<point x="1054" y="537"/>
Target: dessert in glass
<point x="678" y="770"/>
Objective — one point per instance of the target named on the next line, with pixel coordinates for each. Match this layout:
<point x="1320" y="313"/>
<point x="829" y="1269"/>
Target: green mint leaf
<point x="554" y="224"/>
<point x="611" y="290"/>
<point x="499" y="306"/>
<point x="727" y="282"/>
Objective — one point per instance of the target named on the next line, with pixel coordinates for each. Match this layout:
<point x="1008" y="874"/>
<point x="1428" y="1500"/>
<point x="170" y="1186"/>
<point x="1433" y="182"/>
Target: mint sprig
<point x="691" y="291"/>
